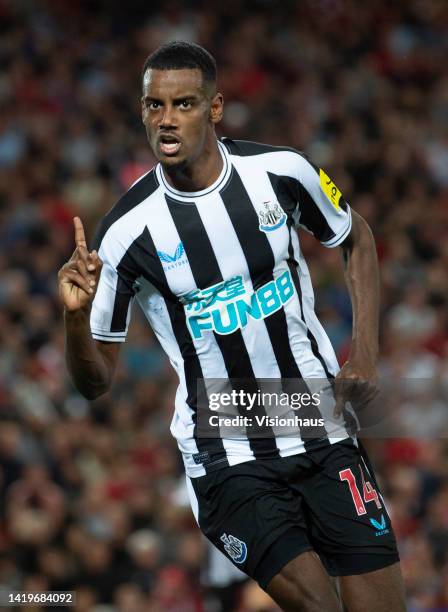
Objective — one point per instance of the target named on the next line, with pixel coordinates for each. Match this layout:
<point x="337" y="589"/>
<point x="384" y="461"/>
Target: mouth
<point x="169" y="145"/>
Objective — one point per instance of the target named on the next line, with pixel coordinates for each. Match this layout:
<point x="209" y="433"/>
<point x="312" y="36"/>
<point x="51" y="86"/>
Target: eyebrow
<point x="176" y="100"/>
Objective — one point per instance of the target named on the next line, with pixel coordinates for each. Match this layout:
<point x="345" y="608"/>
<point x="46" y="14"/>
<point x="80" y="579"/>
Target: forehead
<point x="172" y="83"/>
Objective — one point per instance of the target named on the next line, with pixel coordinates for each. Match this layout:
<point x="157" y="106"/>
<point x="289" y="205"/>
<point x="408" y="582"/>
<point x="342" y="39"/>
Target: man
<point x="206" y="244"/>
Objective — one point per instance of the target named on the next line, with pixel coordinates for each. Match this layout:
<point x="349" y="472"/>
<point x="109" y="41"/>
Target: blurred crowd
<point x="92" y="494"/>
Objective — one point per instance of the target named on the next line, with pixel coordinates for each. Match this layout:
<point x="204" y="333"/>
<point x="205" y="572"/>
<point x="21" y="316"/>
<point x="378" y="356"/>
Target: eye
<point x="152" y="105"/>
<point x="185" y="104"/>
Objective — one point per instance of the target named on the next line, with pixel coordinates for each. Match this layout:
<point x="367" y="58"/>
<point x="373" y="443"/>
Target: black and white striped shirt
<point x="220" y="276"/>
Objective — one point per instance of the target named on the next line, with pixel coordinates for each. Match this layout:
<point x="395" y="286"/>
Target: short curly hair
<point x="178" y="55"/>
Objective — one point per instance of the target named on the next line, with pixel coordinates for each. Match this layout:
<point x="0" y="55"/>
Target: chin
<point x="172" y="162"/>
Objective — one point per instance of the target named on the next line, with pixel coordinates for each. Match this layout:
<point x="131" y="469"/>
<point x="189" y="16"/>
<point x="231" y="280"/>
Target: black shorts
<point x="264" y="513"/>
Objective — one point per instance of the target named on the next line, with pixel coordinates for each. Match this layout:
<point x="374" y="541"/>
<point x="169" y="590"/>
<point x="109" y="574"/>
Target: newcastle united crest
<point x="271" y="216"/>
<point x="235" y="548"/>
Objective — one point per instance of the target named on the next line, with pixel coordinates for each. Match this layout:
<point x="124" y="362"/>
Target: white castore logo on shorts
<point x="235" y="548"/>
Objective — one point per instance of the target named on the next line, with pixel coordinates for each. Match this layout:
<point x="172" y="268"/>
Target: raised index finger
<point x="80" y="237"/>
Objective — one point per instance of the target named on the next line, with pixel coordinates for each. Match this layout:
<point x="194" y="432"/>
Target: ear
<point x="217" y="108"/>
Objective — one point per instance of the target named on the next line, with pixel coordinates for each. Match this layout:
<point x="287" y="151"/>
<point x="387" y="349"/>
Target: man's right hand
<point x="78" y="278"/>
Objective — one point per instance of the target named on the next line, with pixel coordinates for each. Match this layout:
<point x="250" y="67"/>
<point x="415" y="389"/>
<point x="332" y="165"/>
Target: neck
<point x="199" y="174"/>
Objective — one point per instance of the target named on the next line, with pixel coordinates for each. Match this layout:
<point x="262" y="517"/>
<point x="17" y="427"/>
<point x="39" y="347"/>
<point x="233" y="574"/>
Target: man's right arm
<point x="91" y="363"/>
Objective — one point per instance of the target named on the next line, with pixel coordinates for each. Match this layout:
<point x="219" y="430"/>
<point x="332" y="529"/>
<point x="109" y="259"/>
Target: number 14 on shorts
<point x="368" y="492"/>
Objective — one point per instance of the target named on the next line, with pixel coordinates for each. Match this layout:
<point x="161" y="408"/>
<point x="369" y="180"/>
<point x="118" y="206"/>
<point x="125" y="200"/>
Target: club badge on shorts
<point x="235" y="548"/>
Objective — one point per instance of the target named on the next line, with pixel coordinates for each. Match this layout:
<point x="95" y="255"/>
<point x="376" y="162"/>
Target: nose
<point x="167" y="119"/>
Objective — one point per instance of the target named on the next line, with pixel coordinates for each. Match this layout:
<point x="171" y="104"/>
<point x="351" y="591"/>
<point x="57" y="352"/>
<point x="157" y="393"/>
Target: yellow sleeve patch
<point x="330" y="189"/>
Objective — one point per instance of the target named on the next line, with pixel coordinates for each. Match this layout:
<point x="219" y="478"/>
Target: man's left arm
<point x="358" y="376"/>
<point x="323" y="211"/>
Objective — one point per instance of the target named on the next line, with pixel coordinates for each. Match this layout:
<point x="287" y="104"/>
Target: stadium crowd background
<point x="91" y="494"/>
